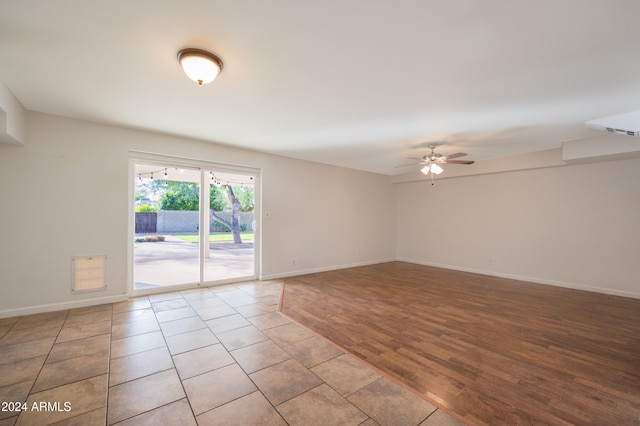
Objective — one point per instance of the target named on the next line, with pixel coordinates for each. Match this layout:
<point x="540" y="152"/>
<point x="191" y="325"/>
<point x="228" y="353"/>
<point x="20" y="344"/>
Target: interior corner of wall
<point x="12" y="118"/>
<point x="5" y="137"/>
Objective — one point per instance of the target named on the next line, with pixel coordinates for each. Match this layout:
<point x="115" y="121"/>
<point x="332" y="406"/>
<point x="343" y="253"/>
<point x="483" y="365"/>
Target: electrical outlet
<point x="293" y="262"/>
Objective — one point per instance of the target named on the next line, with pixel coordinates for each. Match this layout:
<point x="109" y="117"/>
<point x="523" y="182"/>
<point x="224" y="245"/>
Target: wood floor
<point x="489" y="350"/>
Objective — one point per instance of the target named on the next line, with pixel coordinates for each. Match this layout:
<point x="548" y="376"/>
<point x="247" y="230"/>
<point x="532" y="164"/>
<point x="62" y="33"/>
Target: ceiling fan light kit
<point x="433" y="168"/>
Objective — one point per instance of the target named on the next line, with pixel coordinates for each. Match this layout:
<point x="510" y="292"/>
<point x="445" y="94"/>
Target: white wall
<point x="574" y="225"/>
<point x="65" y="193"/>
<point x="323" y="217"/>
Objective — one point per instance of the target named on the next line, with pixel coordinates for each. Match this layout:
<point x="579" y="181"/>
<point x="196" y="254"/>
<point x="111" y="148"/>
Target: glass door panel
<point x="230" y="252"/>
<point x="167" y="235"/>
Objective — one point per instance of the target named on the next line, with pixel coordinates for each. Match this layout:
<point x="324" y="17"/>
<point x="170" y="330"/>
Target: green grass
<point x="217" y="237"/>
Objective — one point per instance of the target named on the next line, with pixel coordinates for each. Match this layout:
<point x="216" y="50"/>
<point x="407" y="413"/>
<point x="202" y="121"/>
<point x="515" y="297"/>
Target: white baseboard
<point x="573" y="286"/>
<point x="322" y="269"/>
<point x="62" y="306"/>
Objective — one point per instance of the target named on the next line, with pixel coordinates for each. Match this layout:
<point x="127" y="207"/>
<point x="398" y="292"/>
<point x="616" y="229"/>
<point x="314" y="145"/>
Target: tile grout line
<point x="66" y="317"/>
<point x="184" y="390"/>
<point x="236" y="361"/>
<point x="323" y="382"/>
<point x="172" y="356"/>
<point x="147" y="350"/>
<point x="106" y="402"/>
<point x="239" y="366"/>
<point x="64" y="322"/>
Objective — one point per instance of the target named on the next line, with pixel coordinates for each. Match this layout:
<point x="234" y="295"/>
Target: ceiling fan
<point x="432" y="161"/>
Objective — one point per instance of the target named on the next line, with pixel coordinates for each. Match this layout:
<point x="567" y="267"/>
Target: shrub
<point x="146" y="208"/>
<point x="150" y="239"/>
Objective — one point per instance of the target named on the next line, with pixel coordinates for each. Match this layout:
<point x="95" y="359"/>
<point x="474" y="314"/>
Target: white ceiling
<point x="356" y="83"/>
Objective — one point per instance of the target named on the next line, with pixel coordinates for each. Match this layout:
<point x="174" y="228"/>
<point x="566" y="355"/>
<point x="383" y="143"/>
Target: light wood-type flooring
<point x="489" y="350"/>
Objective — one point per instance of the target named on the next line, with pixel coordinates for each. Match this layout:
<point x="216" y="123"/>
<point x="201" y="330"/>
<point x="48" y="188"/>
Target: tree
<point x="150" y="190"/>
<point x="218" y="200"/>
<point x="180" y="196"/>
<point x="245" y="195"/>
<point x="234" y="225"/>
<point x="221" y="201"/>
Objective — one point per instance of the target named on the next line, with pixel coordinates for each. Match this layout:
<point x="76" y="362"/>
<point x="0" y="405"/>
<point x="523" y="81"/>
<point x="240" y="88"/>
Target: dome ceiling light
<point x="199" y="65"/>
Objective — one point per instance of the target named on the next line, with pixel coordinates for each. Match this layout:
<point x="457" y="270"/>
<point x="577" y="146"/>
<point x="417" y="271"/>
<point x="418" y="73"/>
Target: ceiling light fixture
<point x="199" y="65"/>
<point x="433" y="168"/>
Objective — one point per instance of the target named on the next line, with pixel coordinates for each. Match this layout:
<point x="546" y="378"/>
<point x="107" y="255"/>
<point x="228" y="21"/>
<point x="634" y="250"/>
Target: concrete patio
<point x="174" y="262"/>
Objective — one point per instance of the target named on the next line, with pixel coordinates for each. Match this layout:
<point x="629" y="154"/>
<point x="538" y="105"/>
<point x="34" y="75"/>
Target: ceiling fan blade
<point x="458" y="161"/>
<point x="407" y="165"/>
<point x="456" y="155"/>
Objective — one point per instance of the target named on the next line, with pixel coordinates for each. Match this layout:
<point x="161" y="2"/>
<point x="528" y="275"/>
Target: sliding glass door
<point x="193" y="225"/>
<point x="230" y="251"/>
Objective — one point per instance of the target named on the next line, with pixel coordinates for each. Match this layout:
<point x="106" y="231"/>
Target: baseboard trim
<point x="535" y="280"/>
<point x="323" y="269"/>
<point x="38" y="309"/>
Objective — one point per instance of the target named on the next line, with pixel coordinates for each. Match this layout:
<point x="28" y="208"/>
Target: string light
<point x="214" y="180"/>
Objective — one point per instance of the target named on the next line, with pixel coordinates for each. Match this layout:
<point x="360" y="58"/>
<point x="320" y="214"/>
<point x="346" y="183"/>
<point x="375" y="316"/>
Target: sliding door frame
<point x="203" y="166"/>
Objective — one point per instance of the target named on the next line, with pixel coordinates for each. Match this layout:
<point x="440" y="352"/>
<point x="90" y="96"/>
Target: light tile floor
<point x="213" y="356"/>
